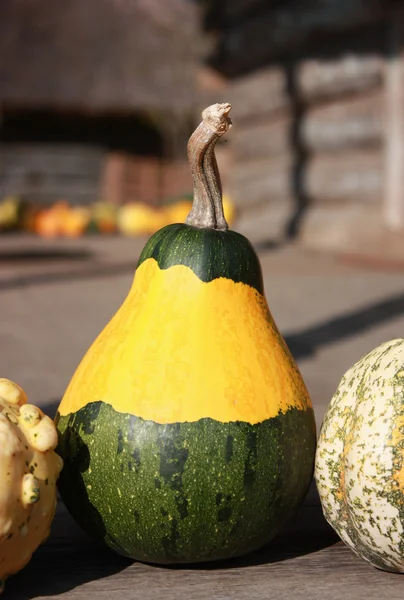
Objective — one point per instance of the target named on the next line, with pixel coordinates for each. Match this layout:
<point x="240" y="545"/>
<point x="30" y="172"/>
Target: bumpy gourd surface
<point x="360" y="458"/>
<point x="28" y="471"/>
<point x="187" y="431"/>
<point x="177" y="338"/>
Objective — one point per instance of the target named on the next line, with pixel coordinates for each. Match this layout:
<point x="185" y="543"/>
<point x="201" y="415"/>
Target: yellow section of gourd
<point x="29" y="468"/>
<point x="180" y="349"/>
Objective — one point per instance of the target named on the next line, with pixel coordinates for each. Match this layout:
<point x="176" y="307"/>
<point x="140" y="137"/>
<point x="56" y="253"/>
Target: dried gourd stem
<point x="207" y="207"/>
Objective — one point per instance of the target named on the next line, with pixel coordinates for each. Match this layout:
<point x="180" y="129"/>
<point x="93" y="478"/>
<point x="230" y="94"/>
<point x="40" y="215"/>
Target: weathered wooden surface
<point x="346" y="176"/>
<point x="269" y="91"/>
<point x="55" y="296"/>
<point x="313" y="133"/>
<point x="260" y="33"/>
<point x="393" y="204"/>
<point x="70" y="565"/>
<point x="233" y="10"/>
<point x="354" y="122"/>
<point x="47" y="172"/>
<point x="259" y="93"/>
<point x="324" y="79"/>
<point x="262" y="180"/>
<point x="347" y="123"/>
<point x="261" y="138"/>
<point x="307" y="562"/>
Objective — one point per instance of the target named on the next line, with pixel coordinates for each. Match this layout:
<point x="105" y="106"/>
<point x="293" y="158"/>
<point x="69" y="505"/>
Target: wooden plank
<point x="236" y="10"/>
<point x="393" y="203"/>
<point x="74" y="197"/>
<point x="318" y="80"/>
<point x="305" y="557"/>
<point x="55" y="149"/>
<point x="350" y="122"/>
<point x="328" y="178"/>
<point x="351" y="175"/>
<point x="58" y="158"/>
<point x="265" y="138"/>
<point x="48" y="179"/>
<point x="331" y="312"/>
<point x="45" y="173"/>
<point x="261" y="181"/>
<point x="265" y="221"/>
<point x="265" y="93"/>
<point x="294" y="31"/>
<point x="258" y="94"/>
<point x="343" y="226"/>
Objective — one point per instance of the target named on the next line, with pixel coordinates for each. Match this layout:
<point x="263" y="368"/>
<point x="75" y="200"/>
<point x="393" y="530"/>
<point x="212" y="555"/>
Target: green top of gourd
<point x="204" y="242"/>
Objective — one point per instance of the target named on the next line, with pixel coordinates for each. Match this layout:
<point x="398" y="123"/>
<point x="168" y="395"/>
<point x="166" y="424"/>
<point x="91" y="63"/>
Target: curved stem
<point x="207" y="207"/>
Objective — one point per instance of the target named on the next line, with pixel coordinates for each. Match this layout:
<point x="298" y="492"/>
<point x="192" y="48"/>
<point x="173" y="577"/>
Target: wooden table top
<point x="306" y="561"/>
<point x="331" y="314"/>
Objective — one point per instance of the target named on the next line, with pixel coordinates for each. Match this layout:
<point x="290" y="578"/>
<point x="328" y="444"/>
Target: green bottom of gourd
<point x="183" y="492"/>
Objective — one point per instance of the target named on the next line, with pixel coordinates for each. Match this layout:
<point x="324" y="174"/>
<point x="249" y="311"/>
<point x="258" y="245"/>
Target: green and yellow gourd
<point x="187" y="431"/>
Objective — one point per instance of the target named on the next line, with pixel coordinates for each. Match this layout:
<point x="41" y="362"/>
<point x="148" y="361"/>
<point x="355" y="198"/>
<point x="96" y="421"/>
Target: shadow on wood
<point x="70" y="559"/>
<point x="300" y="196"/>
<point x="41" y="255"/>
<point x="305" y="343"/>
<point x="90" y="271"/>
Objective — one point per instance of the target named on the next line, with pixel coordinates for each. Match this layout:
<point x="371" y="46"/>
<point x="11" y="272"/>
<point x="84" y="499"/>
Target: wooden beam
<point x="273" y="36"/>
<point x="393" y="205"/>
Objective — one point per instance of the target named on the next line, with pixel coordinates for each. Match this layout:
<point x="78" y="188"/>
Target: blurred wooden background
<point x="317" y="87"/>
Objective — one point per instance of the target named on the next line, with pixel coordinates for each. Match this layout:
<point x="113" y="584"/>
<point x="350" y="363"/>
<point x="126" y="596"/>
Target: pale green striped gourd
<point x="359" y="466"/>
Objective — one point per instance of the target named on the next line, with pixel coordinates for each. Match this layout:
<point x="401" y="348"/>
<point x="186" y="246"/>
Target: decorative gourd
<point x="137" y="218"/>
<point x="360" y="458"/>
<point x="28" y="472"/>
<point x="177" y="212"/>
<point x="76" y="221"/>
<point x="49" y="221"/>
<point x="187" y="431"/>
<point x="103" y="218"/>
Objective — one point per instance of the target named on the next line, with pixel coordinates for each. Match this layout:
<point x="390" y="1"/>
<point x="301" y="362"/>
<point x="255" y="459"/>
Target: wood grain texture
<point x="330" y="312"/>
<point x="347" y="176"/>
<point x="393" y="205"/>
<point x="268" y="35"/>
<point x="265" y="138"/>
<point x="305" y="560"/>
<point x="47" y="172"/>
<point x="332" y="78"/>
<point x="261" y="180"/>
<point x="264" y="92"/>
<point x="344" y="176"/>
<point x="259" y="93"/>
<point x="347" y="123"/>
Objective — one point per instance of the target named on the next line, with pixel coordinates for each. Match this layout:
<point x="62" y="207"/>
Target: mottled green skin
<point x="357" y="461"/>
<point x="208" y="252"/>
<point x="183" y="492"/>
